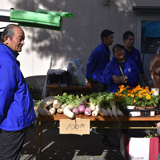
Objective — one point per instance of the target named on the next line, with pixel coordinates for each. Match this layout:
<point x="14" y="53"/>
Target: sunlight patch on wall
<point x="41" y="6"/>
<point x="124" y="5"/>
<point x="61" y="63"/>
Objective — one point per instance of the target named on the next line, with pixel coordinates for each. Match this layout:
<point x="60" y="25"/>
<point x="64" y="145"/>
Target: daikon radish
<point x="60" y="110"/>
<point x="67" y="111"/>
<point x="95" y="113"/>
<point x="97" y="110"/>
<point x="109" y="111"/>
<point x="120" y="113"/>
<point x="51" y="112"/>
<point x="114" y="111"/>
<point x="103" y="112"/>
<point x="63" y="106"/>
<point x="45" y="103"/>
<point x="56" y="104"/>
<point x="98" y="107"/>
<point x="92" y="107"/>
<point x="42" y="111"/>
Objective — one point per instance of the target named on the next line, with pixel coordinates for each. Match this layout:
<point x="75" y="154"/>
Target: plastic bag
<point x="81" y="76"/>
<point x="73" y="70"/>
<point x="74" y="67"/>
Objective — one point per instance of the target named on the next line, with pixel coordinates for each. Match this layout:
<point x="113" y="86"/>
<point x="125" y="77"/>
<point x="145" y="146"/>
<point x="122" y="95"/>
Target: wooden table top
<point x="71" y="87"/>
<point x="99" y="118"/>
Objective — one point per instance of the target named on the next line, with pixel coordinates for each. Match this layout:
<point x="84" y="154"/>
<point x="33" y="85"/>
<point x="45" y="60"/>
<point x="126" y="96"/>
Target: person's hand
<point x="158" y="125"/>
<point x="116" y="79"/>
<point x="122" y="79"/>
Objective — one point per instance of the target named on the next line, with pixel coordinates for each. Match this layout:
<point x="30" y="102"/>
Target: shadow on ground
<point x="74" y="147"/>
<point x="70" y="147"/>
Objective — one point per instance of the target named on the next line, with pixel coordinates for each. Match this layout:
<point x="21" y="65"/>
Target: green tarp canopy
<point x="40" y="19"/>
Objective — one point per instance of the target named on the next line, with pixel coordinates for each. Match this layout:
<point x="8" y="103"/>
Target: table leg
<point x="40" y="127"/>
<point x="40" y="150"/>
<point x="51" y="92"/>
<point x="37" y="141"/>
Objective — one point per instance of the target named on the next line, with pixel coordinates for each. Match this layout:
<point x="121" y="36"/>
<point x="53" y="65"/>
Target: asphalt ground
<point x="70" y="147"/>
<point x="74" y="147"/>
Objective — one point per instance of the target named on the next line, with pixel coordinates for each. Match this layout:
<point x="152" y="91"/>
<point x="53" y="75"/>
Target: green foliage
<point x="103" y="98"/>
<point x="38" y="103"/>
<point x="71" y="99"/>
<point x="147" y="100"/>
<point x="34" y="93"/>
<point x="128" y="101"/>
<point x="150" y="135"/>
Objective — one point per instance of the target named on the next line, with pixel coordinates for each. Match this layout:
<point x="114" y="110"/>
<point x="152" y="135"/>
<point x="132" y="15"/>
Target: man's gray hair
<point x="8" y="31"/>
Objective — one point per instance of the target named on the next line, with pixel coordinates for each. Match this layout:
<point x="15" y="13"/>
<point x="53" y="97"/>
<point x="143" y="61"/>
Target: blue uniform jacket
<point x="16" y="103"/>
<point x="97" y="63"/>
<point x="135" y="56"/>
<point x="131" y="70"/>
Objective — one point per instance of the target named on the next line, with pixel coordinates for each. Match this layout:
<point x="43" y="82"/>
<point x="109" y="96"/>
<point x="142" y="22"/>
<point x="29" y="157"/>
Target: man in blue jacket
<point x="16" y="103"/>
<point x="98" y="60"/>
<point x="95" y="67"/>
<point x="133" y="53"/>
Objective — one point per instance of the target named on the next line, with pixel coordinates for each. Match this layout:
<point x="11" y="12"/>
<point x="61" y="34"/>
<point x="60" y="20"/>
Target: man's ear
<point x="6" y="39"/>
<point x="104" y="39"/>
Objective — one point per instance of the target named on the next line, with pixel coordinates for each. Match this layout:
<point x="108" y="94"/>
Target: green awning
<point x="39" y="19"/>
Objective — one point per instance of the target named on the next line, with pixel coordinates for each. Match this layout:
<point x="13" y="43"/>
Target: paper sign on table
<point x="76" y="126"/>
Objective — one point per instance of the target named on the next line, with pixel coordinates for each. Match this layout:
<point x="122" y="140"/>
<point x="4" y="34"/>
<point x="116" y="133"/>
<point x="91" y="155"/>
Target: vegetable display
<point x="95" y="104"/>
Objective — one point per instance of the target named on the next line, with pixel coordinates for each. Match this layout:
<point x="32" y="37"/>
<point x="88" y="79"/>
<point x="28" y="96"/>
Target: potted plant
<point x="125" y="97"/>
<point x="139" y="97"/>
<point x="145" y="98"/>
<point x="152" y="101"/>
<point x="128" y="101"/>
<point x="140" y="101"/>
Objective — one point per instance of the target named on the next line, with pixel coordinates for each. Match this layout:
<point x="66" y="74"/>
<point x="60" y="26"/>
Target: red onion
<point x="81" y="108"/>
<point x="87" y="112"/>
<point x="75" y="110"/>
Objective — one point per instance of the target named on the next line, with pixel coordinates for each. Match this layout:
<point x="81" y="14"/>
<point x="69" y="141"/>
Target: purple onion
<point x="75" y="110"/>
<point x="81" y="108"/>
<point x="87" y="112"/>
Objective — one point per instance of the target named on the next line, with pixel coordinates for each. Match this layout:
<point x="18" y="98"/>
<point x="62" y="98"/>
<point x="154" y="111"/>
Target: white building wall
<point x="79" y="35"/>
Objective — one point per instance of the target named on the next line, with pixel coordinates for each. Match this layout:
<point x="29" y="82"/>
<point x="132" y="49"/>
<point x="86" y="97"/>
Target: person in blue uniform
<point x="133" y="53"/>
<point x="98" y="60"/>
<point x="16" y="103"/>
<point x="121" y="70"/>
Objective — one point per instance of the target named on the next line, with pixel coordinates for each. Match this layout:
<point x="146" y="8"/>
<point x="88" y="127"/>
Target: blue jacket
<point x="97" y="63"/>
<point x="135" y="56"/>
<point x="16" y="103"/>
<point x="131" y="70"/>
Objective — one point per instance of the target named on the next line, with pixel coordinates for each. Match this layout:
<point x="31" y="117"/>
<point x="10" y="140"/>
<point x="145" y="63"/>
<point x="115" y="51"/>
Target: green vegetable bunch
<point x="71" y="99"/>
<point x="102" y="98"/>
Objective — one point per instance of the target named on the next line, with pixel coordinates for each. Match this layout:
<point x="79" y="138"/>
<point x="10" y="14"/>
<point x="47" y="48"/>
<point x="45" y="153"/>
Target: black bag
<point x="62" y="77"/>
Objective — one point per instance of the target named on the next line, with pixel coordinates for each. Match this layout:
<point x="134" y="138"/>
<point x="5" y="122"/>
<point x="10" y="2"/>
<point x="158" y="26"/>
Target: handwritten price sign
<point x="76" y="126"/>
